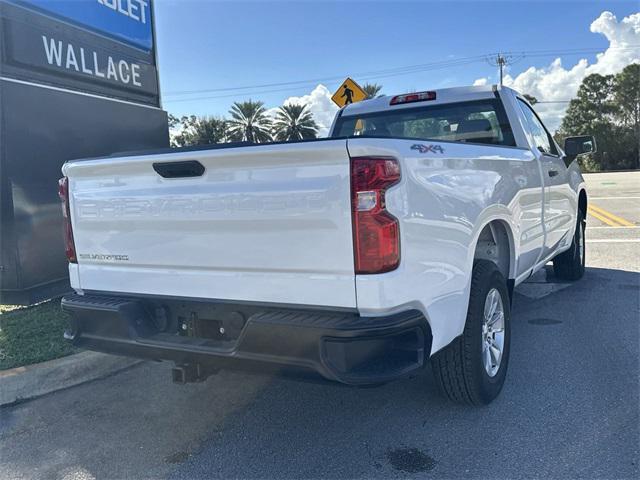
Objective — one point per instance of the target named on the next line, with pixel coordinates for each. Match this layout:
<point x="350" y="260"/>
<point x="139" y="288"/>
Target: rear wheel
<point x="472" y="369"/>
<point x="569" y="265"/>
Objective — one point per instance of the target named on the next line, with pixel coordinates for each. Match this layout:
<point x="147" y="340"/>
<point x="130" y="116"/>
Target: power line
<point x="406" y="69"/>
<point x="574" y="51"/>
<point x="372" y="74"/>
<point x="314" y="82"/>
<point x="498" y="59"/>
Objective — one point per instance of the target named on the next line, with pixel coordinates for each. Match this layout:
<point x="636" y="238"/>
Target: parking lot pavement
<point x="569" y="407"/>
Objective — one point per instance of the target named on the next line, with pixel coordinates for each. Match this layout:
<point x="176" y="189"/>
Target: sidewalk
<point x="23" y="383"/>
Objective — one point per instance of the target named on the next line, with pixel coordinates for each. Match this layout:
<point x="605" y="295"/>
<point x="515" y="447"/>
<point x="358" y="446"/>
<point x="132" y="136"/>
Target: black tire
<point x="569" y="265"/>
<point x="458" y="368"/>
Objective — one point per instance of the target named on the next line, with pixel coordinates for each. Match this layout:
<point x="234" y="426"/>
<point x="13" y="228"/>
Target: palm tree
<point x="372" y="89"/>
<point x="294" y="122"/>
<point x="249" y="122"/>
<point x="198" y="130"/>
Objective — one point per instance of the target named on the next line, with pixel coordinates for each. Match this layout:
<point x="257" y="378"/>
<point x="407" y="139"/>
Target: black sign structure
<point x="37" y="48"/>
<point x="68" y="90"/>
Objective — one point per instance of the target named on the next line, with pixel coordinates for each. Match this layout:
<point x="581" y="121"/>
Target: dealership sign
<point x="120" y="71"/>
<point x="126" y="20"/>
<point x="103" y="47"/>
<point x="82" y="58"/>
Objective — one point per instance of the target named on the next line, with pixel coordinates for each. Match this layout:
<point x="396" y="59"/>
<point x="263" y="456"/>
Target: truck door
<point x="558" y="212"/>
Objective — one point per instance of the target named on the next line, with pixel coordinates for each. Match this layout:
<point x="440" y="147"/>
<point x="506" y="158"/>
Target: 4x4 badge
<point x="422" y="148"/>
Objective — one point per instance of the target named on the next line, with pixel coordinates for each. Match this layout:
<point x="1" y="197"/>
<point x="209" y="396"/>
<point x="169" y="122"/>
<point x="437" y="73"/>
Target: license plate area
<point x="211" y="329"/>
<point x="218" y="324"/>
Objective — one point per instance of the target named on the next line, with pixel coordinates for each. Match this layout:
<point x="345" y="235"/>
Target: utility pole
<point x="500" y="60"/>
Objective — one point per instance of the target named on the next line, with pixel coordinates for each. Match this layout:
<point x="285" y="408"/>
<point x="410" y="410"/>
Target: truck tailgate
<point x="267" y="223"/>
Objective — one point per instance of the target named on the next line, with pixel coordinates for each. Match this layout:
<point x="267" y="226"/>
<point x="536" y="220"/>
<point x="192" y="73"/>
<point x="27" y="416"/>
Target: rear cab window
<point x="478" y="122"/>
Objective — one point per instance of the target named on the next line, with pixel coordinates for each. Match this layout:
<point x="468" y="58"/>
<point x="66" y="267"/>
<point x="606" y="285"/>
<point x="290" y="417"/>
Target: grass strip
<point x="32" y="334"/>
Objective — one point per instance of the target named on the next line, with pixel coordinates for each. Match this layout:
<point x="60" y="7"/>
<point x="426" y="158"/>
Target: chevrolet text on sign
<point x="126" y="20"/>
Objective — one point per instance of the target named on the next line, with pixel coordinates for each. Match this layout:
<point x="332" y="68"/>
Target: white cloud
<point x="555" y="82"/>
<point x="320" y="105"/>
<point x="551" y="83"/>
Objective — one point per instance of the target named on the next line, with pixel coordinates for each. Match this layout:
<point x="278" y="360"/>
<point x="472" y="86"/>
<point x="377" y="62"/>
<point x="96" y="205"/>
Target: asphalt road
<point x="570" y="407"/>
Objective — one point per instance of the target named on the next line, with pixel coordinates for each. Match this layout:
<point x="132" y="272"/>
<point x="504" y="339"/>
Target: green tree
<point x="626" y="95"/>
<point x="372" y="90"/>
<point x="595" y="112"/>
<point x="592" y="106"/>
<point x="173" y="121"/>
<point x="198" y="130"/>
<point x="294" y="122"/>
<point x="249" y="122"/>
<point x="530" y="98"/>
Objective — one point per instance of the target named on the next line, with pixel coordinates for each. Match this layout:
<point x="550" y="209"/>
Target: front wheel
<point x="569" y="265"/>
<point x="472" y="369"/>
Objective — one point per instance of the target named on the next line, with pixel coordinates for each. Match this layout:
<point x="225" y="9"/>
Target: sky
<point x="299" y="51"/>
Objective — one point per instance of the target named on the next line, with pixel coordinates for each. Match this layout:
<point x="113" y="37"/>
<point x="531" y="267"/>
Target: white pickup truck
<point x="357" y="257"/>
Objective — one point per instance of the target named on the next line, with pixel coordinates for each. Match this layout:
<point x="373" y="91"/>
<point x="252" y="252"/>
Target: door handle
<point x="185" y="169"/>
<point x="552" y="173"/>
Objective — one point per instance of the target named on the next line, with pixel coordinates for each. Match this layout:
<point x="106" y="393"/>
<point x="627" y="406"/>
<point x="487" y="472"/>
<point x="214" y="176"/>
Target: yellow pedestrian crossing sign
<point x="349" y="92"/>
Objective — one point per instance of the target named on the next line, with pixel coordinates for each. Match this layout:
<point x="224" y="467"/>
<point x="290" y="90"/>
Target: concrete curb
<point x="23" y="383"/>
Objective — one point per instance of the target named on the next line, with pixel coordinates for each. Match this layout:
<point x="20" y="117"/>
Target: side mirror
<point x="574" y="146"/>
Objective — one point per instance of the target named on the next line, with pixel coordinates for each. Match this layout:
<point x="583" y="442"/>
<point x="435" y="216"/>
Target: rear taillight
<point x="412" y="97"/>
<point x="376" y="233"/>
<point x="63" y="192"/>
